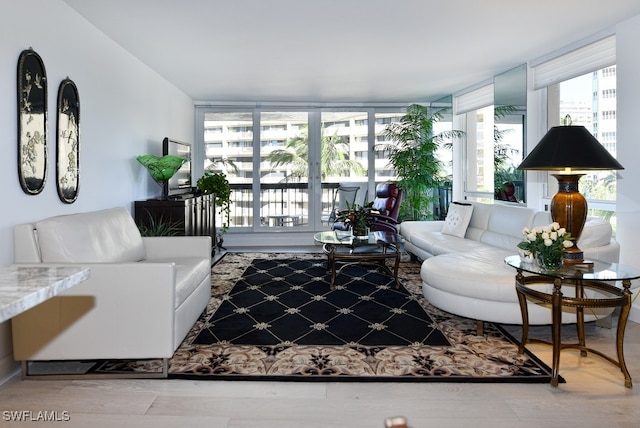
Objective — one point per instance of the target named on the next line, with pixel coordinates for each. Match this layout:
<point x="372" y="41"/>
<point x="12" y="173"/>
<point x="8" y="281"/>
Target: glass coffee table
<point x="591" y="285"/>
<point x="344" y="249"/>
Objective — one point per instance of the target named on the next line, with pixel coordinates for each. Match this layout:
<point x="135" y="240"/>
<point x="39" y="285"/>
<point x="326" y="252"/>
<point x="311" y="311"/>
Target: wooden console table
<point x="192" y="215"/>
<point x="599" y="279"/>
<point x="23" y="287"/>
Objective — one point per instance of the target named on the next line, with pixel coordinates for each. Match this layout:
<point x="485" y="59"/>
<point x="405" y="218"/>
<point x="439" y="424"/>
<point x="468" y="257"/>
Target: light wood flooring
<point x="593" y="396"/>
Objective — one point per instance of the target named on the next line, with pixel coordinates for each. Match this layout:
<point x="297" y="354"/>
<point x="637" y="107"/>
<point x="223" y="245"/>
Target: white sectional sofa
<point x="464" y="273"/>
<point x="142" y="297"/>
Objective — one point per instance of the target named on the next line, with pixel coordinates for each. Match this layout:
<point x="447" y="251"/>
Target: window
<point x="266" y="192"/>
<point x="573" y="97"/>
<point x="479" y="154"/>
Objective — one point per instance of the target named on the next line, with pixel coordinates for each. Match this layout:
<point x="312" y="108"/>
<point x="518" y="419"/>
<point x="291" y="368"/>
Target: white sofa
<point x="142" y="297"/>
<point x="464" y="273"/>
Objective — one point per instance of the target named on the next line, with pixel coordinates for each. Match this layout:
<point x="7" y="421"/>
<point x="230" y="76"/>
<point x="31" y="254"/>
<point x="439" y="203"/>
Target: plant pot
<point x="361" y="233"/>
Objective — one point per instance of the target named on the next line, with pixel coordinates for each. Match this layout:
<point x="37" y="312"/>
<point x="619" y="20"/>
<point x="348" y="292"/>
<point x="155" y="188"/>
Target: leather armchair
<point x="387" y="207"/>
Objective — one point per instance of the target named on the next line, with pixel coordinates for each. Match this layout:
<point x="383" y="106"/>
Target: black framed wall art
<point x="68" y="141"/>
<point x="32" y="122"/>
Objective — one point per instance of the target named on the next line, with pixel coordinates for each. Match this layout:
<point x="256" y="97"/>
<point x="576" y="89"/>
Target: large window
<point x="589" y="100"/>
<point x="284" y="164"/>
<point x="479" y="150"/>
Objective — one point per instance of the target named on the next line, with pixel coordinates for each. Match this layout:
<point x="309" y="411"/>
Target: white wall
<point x="125" y="110"/>
<point x="628" y="137"/>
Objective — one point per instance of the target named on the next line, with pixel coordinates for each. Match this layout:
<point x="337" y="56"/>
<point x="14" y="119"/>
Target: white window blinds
<point x="594" y="56"/>
<point x="473" y="100"/>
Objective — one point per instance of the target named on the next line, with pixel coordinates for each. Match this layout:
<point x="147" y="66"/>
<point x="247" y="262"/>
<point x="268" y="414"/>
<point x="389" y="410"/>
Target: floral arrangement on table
<point x="544" y="245"/>
<point x="357" y="217"/>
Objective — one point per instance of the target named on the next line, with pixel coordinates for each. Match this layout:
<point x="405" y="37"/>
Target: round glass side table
<point x="597" y="278"/>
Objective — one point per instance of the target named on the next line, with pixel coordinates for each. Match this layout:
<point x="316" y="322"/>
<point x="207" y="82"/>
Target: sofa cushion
<point x="457" y="219"/>
<point x="479" y="221"/>
<point x="541" y="218"/>
<point x="437" y="243"/>
<point x="106" y="236"/>
<point x="596" y="233"/>
<point x="412" y="228"/>
<point x="482" y="275"/>
<point x="504" y="228"/>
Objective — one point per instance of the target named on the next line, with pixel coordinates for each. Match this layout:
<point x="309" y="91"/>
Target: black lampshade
<point x="569" y="147"/>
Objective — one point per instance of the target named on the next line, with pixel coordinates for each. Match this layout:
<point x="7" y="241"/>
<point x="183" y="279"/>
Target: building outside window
<point x="267" y="193"/>
<point x="574" y="99"/>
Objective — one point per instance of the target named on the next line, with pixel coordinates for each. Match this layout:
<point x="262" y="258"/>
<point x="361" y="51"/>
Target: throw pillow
<point x="457" y="219"/>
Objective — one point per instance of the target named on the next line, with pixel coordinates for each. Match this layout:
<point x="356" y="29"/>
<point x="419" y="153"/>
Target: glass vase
<point x="362" y="232"/>
<point x="549" y="261"/>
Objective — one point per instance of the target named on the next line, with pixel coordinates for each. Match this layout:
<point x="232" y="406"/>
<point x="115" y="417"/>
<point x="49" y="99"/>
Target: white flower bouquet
<point x="545" y="244"/>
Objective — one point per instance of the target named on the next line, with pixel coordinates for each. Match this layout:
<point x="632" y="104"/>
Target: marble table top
<point x="23" y="287"/>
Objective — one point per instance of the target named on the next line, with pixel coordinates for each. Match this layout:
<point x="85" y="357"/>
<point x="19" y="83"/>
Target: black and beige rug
<point x="273" y="317"/>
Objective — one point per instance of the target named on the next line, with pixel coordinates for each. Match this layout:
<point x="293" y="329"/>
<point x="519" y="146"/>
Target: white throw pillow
<point x="457" y="220"/>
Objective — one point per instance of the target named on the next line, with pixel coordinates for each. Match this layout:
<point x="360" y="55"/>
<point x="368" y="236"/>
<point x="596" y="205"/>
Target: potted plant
<point x="412" y="154"/>
<point x="357" y="218"/>
<point x="216" y="183"/>
<point x="160" y="226"/>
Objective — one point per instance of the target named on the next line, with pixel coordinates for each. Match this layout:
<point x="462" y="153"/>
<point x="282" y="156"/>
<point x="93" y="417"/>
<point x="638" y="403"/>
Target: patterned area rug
<point x="273" y="317"/>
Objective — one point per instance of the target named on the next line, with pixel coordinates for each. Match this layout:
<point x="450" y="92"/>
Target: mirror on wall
<point x="510" y="108"/>
<point x="444" y="106"/>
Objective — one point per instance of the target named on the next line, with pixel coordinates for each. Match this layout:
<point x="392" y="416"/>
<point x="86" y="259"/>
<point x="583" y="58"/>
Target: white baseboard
<point x="8" y="368"/>
<point x="277" y="239"/>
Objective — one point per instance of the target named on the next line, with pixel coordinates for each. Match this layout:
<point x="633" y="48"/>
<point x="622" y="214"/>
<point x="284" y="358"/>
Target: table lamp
<point x="569" y="148"/>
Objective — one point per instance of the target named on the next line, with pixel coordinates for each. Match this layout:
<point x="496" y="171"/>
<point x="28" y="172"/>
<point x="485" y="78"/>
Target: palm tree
<point x="334" y="157"/>
<point x="412" y="154"/>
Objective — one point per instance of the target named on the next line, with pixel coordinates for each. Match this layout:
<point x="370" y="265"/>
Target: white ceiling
<point x="343" y="50"/>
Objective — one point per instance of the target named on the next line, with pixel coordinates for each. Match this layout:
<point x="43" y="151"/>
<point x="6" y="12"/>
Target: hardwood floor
<point x="593" y="396"/>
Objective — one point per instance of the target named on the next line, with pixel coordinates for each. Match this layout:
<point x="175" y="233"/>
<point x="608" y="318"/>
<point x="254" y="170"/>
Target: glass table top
<point x="339" y="237"/>
<point x="591" y="269"/>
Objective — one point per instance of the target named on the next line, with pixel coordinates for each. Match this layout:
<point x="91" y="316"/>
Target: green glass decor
<point x="161" y="168"/>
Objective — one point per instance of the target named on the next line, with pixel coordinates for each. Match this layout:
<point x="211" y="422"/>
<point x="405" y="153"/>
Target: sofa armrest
<point x="123" y="310"/>
<point x="606" y="253"/>
<point x="162" y="247"/>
